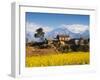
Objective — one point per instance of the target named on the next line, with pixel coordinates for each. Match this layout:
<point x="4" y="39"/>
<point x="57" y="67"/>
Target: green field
<point x="72" y="58"/>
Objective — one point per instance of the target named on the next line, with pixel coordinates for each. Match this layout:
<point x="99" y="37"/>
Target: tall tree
<point x="39" y="33"/>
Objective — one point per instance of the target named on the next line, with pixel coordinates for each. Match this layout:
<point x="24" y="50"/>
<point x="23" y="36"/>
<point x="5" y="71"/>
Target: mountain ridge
<point x="59" y="31"/>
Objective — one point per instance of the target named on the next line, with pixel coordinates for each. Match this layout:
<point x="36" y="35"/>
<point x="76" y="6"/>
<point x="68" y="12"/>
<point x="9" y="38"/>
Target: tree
<point x="39" y="33"/>
<point x="40" y="36"/>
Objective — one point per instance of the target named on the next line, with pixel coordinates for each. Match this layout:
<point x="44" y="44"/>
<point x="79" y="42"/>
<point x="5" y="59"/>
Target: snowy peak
<point x="65" y="31"/>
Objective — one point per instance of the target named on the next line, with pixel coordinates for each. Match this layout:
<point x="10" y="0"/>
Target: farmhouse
<point x="63" y="37"/>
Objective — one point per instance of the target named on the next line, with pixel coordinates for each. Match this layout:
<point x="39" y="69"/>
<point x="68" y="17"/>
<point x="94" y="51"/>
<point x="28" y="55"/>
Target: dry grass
<point x="72" y="58"/>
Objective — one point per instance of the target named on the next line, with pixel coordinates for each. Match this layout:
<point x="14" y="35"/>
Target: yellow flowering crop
<point x="72" y="58"/>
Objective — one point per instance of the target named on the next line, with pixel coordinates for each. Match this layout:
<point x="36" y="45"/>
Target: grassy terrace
<point x="72" y="58"/>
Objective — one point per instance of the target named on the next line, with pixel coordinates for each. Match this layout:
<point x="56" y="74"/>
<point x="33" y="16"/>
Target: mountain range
<point x="65" y="31"/>
<point x="59" y="31"/>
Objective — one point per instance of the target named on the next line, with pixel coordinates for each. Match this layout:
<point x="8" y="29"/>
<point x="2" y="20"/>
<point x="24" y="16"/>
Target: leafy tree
<point x="39" y="33"/>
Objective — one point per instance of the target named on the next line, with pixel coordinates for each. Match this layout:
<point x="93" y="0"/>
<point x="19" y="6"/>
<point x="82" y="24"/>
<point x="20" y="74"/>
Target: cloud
<point x="31" y="27"/>
<point x="76" y="28"/>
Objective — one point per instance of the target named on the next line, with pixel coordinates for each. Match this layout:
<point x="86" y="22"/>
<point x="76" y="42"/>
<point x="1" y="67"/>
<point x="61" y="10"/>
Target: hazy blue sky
<point x="49" y="20"/>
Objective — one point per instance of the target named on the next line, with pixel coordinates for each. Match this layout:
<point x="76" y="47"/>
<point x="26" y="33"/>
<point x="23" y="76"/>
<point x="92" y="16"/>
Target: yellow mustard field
<point x="72" y="58"/>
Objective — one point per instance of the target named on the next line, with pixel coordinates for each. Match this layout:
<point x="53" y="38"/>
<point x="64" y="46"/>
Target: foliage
<point x="39" y="33"/>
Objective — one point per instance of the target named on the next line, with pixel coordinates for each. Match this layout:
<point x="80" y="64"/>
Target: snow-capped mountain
<point x="65" y="31"/>
<point x="59" y="31"/>
<point x="55" y="32"/>
<point x="86" y="34"/>
<point x="29" y="36"/>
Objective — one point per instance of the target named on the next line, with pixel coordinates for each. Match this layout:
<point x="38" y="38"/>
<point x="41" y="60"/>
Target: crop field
<point x="71" y="58"/>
